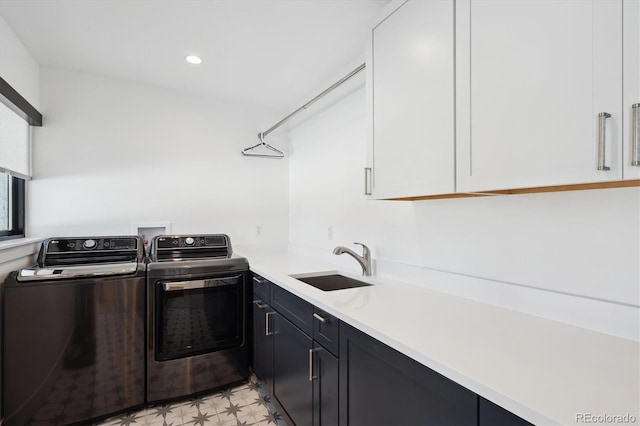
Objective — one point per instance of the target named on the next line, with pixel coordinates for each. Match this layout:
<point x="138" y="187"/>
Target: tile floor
<point x="246" y="404"/>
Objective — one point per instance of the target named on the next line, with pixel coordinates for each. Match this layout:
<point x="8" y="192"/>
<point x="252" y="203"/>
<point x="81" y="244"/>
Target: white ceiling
<point x="271" y="53"/>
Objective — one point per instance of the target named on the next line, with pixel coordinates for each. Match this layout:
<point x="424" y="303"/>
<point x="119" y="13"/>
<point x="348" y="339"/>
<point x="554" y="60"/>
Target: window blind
<point x="14" y="143"/>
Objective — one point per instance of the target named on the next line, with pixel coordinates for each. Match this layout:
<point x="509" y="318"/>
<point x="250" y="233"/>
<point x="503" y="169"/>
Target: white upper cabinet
<point x="532" y="77"/>
<point x="410" y="85"/>
<point x="631" y="94"/>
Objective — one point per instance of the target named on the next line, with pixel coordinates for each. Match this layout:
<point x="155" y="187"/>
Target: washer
<point x="73" y="332"/>
<point x="197" y="305"/>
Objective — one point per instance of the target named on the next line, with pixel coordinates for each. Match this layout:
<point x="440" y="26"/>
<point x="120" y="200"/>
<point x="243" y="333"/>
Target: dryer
<point x="198" y="300"/>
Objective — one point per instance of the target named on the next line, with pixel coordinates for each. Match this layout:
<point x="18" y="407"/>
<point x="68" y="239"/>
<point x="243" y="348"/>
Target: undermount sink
<point x="330" y="282"/>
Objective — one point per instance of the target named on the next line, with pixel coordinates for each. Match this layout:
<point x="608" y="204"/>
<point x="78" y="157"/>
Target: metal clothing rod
<point x="262" y="135"/>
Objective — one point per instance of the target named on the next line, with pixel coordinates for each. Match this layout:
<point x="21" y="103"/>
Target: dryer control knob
<point x="189" y="241"/>
<point x="89" y="244"/>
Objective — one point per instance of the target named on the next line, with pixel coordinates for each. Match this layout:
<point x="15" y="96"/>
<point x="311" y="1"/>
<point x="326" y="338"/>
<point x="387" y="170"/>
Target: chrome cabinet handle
<point x="311" y="376"/>
<point x="258" y="280"/>
<point x="319" y="318"/>
<point x="635" y="136"/>
<point x="602" y="128"/>
<point x="367" y="180"/>
<point x="267" y="332"/>
<point x="260" y="304"/>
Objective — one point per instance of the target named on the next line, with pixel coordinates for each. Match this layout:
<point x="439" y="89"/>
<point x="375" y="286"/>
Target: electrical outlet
<point x="330" y="232"/>
<point x="258" y="230"/>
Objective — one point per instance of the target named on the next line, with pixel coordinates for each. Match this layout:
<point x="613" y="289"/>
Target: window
<point x="12" y="194"/>
<point x="15" y="137"/>
<point x="5" y="208"/>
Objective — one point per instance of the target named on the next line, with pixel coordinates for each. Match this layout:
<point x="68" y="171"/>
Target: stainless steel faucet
<point x="364" y="260"/>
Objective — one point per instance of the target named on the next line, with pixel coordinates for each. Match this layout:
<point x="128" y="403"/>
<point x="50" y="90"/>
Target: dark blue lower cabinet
<point x="366" y="384"/>
<point x="490" y="414"/>
<point x="305" y="377"/>
<point x="292" y="389"/>
<point x="263" y="343"/>
<point x="381" y="386"/>
<point x="325" y="387"/>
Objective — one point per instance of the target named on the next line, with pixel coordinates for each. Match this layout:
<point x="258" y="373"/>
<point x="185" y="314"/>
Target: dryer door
<point x="198" y="316"/>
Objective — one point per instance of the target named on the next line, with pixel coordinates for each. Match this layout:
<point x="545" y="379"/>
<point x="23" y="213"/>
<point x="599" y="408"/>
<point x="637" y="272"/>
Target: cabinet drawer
<point x="326" y="330"/>
<point x="261" y="288"/>
<point x="293" y="308"/>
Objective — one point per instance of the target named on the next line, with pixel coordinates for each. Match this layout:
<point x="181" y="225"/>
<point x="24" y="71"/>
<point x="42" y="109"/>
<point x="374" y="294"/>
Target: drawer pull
<point x="319" y="318"/>
<point x="260" y="304"/>
<point x="602" y="130"/>
<point x="258" y="280"/>
<point x="267" y="332"/>
<point x="635" y="136"/>
<point x="367" y="180"/>
<point x="311" y="376"/>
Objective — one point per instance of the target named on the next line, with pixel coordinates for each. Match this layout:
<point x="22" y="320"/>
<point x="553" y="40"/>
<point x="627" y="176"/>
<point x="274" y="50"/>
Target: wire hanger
<point x="276" y="153"/>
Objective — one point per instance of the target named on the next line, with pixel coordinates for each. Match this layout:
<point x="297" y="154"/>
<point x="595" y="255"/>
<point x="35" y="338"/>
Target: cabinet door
<point x="263" y="343"/>
<point x="631" y="93"/>
<point x="381" y="386"/>
<point x="411" y="100"/>
<point x="532" y="78"/>
<point x="325" y="388"/>
<point x="291" y="369"/>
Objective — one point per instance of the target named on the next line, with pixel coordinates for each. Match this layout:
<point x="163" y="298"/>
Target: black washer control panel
<point x="63" y="245"/>
<point x="185" y="241"/>
<point x="90" y="250"/>
<point x="184" y="247"/>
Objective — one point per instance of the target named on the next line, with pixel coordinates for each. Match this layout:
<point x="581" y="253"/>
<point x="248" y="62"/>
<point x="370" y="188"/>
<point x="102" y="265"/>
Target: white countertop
<point x="544" y="371"/>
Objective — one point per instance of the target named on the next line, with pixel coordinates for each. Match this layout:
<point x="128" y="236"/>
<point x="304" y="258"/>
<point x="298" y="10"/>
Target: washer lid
<point x="84" y="271"/>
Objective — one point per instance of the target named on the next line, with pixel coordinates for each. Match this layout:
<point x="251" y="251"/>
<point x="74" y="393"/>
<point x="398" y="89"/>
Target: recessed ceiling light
<point x="193" y="59"/>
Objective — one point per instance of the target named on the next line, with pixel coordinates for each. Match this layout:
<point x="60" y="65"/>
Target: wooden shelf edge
<point x="534" y="190"/>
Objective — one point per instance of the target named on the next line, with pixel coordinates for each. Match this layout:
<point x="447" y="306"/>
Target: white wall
<point x="114" y="153"/>
<point x="17" y="66"/>
<point x="569" y="256"/>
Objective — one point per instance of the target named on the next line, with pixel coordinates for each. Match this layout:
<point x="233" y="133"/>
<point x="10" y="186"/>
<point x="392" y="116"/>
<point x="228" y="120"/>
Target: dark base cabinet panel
<point x="490" y="414"/>
<point x="325" y="388"/>
<point x="300" y="375"/>
<point x="263" y="344"/>
<point x="381" y="386"/>
<point x="291" y="386"/>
